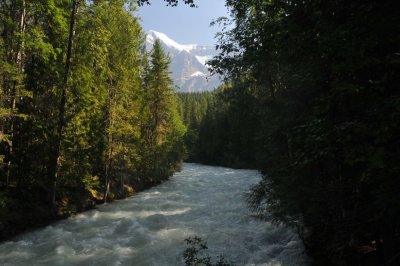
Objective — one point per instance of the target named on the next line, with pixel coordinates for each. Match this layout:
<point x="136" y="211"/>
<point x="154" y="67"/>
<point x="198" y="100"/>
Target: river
<point x="150" y="227"/>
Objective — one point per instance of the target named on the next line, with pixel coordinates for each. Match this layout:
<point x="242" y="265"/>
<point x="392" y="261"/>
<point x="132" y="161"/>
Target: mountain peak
<point x="188" y="63"/>
<point x="153" y="35"/>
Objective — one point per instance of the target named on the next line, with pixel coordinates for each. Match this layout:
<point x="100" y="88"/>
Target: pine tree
<point x="78" y="108"/>
<point x="163" y="128"/>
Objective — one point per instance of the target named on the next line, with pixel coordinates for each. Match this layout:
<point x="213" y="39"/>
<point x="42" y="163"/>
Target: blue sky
<point x="184" y="24"/>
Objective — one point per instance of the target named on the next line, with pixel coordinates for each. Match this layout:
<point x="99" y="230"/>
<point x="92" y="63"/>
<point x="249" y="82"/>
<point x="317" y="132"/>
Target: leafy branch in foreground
<point x="194" y="255"/>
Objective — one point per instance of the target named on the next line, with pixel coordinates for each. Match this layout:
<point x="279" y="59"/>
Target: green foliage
<point x="162" y="129"/>
<point x="109" y="106"/>
<point x="193" y="108"/>
<point x="313" y="102"/>
<point x="224" y="135"/>
<point x="195" y="254"/>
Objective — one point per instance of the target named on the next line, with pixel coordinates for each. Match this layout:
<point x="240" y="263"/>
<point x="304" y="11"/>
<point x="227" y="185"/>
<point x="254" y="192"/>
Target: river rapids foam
<point x="150" y="227"/>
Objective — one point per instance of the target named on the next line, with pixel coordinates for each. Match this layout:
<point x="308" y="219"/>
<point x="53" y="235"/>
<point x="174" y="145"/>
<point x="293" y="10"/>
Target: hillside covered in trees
<point x="311" y="99"/>
<point x="86" y="115"/>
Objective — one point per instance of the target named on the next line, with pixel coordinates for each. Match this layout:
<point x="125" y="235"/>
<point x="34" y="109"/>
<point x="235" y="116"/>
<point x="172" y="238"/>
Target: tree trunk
<point x="56" y="160"/>
<point x="110" y="119"/>
<point x="108" y="166"/>
<point x="13" y="94"/>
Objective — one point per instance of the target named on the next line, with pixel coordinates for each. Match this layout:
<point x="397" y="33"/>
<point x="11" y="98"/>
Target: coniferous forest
<point x="310" y="98"/>
<point x="86" y="115"/>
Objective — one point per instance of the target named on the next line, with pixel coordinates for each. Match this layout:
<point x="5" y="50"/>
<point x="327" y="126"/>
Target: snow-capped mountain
<point x="187" y="68"/>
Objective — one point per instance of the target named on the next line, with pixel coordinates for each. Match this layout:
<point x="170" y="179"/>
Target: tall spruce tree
<point x="163" y="128"/>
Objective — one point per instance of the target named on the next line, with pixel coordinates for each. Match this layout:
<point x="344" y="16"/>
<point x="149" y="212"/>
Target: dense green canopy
<point x="76" y="92"/>
<point x="312" y="100"/>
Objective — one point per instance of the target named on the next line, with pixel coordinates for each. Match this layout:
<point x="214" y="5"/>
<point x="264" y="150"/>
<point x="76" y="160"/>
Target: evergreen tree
<point x="194" y="107"/>
<point x="162" y="129"/>
<point x="12" y="51"/>
<point x="71" y="118"/>
<point x="320" y="78"/>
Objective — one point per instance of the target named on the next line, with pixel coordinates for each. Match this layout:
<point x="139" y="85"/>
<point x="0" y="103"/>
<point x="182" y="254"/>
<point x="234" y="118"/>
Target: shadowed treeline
<point x="311" y="99"/>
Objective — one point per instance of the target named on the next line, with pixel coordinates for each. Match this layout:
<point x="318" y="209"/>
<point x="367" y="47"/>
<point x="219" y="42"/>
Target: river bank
<point x="32" y="211"/>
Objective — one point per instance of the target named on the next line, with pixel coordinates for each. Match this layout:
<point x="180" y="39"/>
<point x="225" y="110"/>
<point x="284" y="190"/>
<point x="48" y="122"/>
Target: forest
<point x="87" y="115"/>
<point x="310" y="99"/>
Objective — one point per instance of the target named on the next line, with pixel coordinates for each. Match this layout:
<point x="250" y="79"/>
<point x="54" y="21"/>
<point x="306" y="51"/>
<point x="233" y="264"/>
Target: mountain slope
<point x="187" y="68"/>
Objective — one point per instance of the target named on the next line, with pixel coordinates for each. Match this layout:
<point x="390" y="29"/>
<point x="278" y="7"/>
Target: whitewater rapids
<point x="150" y="227"/>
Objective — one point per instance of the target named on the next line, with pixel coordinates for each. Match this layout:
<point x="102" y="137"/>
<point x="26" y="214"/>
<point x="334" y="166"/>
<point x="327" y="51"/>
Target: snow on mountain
<point x="153" y="35"/>
<point x="195" y="47"/>
<point x="203" y="59"/>
<point x="187" y="67"/>
<point x="198" y="74"/>
<point x="189" y="47"/>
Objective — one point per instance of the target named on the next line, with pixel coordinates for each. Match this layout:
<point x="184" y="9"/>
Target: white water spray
<point x="150" y="227"/>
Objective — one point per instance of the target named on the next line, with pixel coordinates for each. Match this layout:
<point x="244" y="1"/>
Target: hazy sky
<point x="184" y="24"/>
